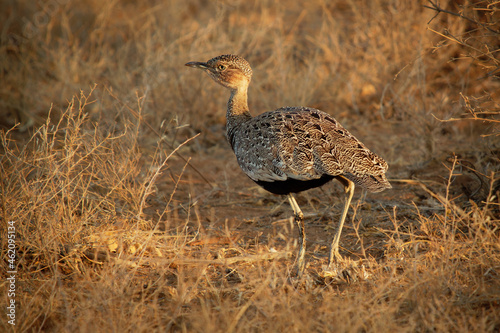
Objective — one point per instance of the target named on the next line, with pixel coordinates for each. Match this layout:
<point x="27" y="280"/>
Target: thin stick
<point x="438" y="9"/>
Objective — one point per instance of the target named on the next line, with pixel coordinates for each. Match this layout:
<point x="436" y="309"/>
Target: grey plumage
<point x="304" y="144"/>
<point x="292" y="149"/>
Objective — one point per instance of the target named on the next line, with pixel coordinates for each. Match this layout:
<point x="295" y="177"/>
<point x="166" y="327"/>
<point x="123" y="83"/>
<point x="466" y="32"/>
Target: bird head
<point x="229" y="70"/>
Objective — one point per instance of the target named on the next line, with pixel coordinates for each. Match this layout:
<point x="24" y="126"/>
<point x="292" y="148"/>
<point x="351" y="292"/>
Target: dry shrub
<point x="66" y="189"/>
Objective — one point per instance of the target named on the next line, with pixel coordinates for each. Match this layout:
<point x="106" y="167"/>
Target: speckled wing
<point x="304" y="144"/>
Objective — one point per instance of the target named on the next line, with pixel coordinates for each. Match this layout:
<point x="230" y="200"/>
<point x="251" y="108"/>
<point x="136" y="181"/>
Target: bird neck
<point x="237" y="107"/>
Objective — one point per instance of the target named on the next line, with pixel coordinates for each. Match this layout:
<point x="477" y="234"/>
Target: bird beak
<point x="202" y="65"/>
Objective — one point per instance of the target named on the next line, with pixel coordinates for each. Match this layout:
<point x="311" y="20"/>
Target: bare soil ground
<point x="123" y="207"/>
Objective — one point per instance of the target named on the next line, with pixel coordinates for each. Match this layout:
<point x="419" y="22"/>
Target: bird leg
<point x="299" y="218"/>
<point x="349" y="191"/>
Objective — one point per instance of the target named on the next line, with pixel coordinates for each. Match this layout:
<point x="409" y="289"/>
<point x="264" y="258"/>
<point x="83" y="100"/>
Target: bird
<point x="293" y="149"/>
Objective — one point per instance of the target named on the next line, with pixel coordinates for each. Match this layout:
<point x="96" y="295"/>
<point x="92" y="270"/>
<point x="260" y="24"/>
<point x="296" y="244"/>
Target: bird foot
<point x="346" y="271"/>
<point x="335" y="257"/>
<point x="305" y="282"/>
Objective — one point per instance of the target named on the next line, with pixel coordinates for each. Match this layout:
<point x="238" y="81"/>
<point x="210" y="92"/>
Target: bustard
<point x="293" y="149"/>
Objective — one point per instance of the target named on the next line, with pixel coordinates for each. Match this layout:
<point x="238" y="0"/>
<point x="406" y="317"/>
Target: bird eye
<point x="221" y="67"/>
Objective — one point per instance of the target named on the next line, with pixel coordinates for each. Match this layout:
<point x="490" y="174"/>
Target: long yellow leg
<point x="299" y="218"/>
<point x="349" y="191"/>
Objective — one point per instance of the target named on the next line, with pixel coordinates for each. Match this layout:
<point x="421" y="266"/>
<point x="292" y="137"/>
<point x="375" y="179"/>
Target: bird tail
<point x="372" y="183"/>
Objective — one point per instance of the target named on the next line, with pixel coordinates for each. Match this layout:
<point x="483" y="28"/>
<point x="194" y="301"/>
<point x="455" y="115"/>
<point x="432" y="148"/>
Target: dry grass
<point x="132" y="215"/>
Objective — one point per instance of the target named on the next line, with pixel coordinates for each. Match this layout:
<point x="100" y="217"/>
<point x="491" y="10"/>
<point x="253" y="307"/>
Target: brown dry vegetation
<point x="131" y="213"/>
